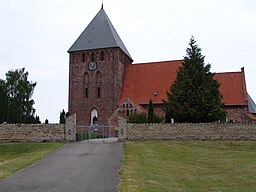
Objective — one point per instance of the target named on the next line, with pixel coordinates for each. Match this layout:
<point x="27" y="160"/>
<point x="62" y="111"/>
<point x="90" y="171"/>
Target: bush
<point x="138" y="118"/>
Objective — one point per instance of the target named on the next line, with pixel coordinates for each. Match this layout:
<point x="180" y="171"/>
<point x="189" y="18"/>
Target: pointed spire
<point x="99" y="34"/>
<point x="102" y="5"/>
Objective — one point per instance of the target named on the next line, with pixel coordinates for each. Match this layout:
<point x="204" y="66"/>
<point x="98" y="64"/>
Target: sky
<point x="36" y="34"/>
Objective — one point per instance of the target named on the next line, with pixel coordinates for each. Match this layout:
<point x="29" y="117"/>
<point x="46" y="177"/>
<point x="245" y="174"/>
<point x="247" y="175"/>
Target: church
<point x="104" y="84"/>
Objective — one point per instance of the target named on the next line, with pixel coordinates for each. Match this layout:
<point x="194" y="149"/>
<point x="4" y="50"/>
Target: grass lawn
<point x="15" y="156"/>
<point x="188" y="166"/>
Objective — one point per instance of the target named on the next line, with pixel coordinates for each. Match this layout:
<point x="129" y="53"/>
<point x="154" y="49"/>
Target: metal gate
<point x="85" y="131"/>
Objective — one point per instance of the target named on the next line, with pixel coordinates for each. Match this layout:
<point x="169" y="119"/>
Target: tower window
<point x="98" y="77"/>
<point x="102" y="56"/>
<point x="127" y="112"/>
<point x="83" y="57"/>
<point x="93" y="56"/>
<point x="86" y="78"/>
<point x="98" y="92"/>
<point x="86" y="92"/>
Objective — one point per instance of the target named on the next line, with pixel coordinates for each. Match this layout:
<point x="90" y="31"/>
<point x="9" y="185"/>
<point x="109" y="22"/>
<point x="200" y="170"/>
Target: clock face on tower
<point x="92" y="66"/>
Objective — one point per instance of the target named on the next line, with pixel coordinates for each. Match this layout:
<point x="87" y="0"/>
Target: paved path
<point x="83" y="166"/>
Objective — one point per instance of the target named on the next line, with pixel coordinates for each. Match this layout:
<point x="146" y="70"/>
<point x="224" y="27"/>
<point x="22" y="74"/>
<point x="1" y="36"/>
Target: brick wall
<point x="111" y="70"/>
<point x="186" y="131"/>
<point x="39" y="132"/>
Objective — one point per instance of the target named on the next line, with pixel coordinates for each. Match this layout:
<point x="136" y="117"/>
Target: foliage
<point x="16" y="156"/>
<point x="46" y="121"/>
<point x="151" y="113"/>
<point x="3" y="101"/>
<point x="194" y="96"/>
<point x="137" y="118"/>
<point x="143" y="118"/>
<point x="62" y="117"/>
<point x="67" y="114"/>
<point x="16" y="91"/>
<point x="158" y="119"/>
<point x="188" y="166"/>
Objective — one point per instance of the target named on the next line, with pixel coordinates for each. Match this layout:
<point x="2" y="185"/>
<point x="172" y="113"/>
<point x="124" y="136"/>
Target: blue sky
<point x="37" y="34"/>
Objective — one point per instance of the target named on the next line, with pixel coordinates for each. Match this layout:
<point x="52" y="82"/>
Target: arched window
<point x="86" y="78"/>
<point x="98" y="77"/>
<point x="93" y="56"/>
<point x="102" y="56"/>
<point x="86" y="92"/>
<point x="83" y="57"/>
<point x="127" y="112"/>
<point x="94" y="116"/>
<point x="98" y="92"/>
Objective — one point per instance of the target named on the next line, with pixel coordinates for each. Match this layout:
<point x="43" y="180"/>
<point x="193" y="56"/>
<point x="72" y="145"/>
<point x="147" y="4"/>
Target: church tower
<point x="97" y="61"/>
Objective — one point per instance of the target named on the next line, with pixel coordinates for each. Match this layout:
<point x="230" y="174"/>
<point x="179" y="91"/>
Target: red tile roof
<point x="151" y="80"/>
<point x="232" y="87"/>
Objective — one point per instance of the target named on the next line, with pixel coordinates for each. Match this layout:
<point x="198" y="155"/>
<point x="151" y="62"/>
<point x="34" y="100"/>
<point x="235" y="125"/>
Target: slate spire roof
<point x="100" y="33"/>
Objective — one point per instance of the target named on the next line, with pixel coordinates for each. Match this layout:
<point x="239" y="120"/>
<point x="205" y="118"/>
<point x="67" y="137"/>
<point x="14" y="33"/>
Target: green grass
<point x="188" y="166"/>
<point x="15" y="156"/>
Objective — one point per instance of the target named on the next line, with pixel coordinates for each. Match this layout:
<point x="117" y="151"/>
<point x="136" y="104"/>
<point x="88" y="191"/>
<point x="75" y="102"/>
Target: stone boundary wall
<point x="39" y="132"/>
<point x="186" y="132"/>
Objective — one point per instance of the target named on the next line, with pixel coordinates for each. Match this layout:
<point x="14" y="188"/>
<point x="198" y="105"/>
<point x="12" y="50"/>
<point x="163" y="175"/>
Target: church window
<point x="123" y="105"/>
<point x="93" y="56"/>
<point x="127" y="112"/>
<point x="83" y="57"/>
<point x="102" y="56"/>
<point x="111" y="55"/>
<point x="98" y="77"/>
<point x="86" y="78"/>
<point x="98" y="92"/>
<point x="86" y="92"/>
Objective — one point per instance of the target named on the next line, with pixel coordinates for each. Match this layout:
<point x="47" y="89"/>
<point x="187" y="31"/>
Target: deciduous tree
<point x="16" y="97"/>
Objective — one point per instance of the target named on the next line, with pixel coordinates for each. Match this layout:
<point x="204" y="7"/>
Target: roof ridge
<point x="154" y="62"/>
<point x="228" y="72"/>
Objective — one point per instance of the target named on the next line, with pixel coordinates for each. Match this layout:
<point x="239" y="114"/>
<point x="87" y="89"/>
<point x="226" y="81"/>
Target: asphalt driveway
<point x="82" y="167"/>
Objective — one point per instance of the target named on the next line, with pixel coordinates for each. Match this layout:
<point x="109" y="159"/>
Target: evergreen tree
<point x="46" y="121"/>
<point x="151" y="113"/>
<point x="3" y="101"/>
<point x="62" y="117"/>
<point x="194" y="96"/>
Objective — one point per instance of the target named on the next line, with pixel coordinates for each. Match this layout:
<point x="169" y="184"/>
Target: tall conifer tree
<point x="151" y="113"/>
<point x="194" y="96"/>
